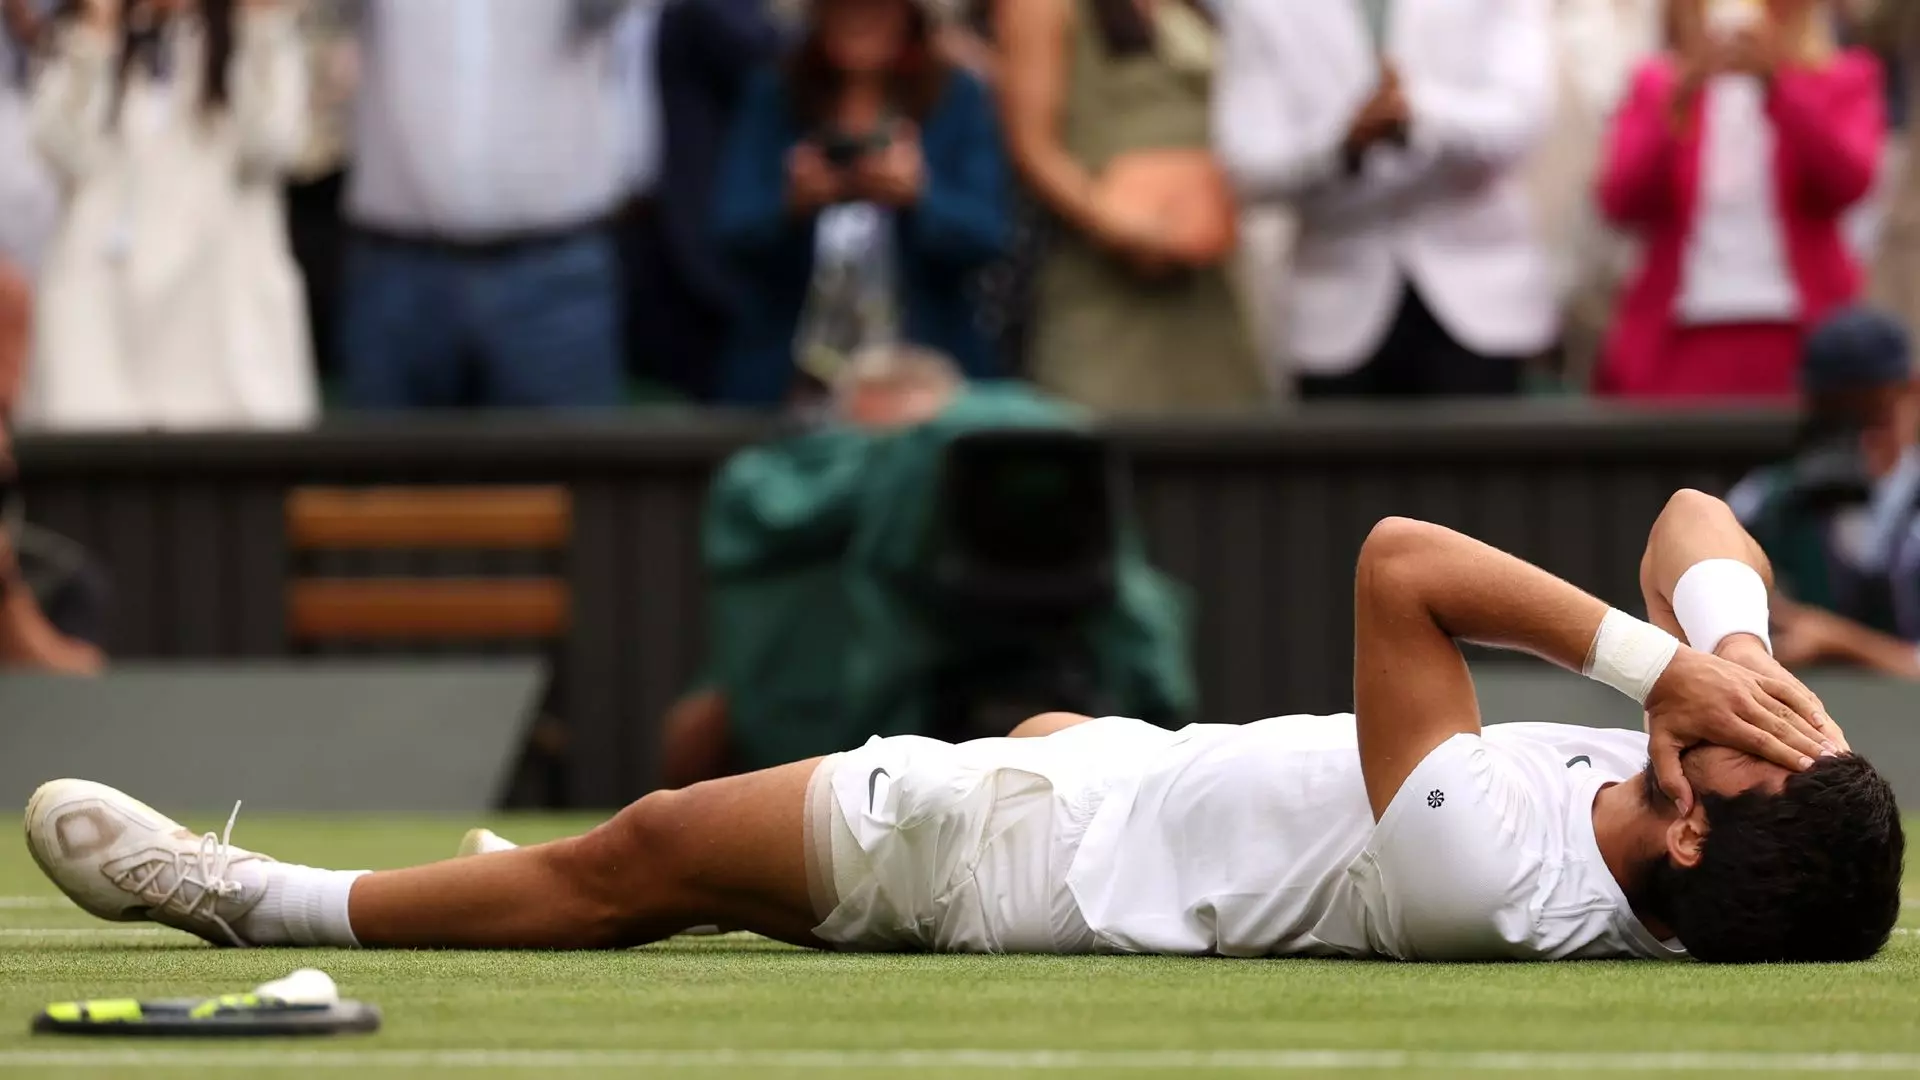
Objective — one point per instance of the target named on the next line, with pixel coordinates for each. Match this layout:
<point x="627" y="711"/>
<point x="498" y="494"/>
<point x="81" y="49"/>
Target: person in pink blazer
<point x="1733" y="160"/>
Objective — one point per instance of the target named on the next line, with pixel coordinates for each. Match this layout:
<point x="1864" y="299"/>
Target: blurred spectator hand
<point x="813" y="184"/>
<point x="1137" y="237"/>
<point x="101" y="14"/>
<point x="1698" y="63"/>
<point x="1385" y="117"/>
<point x="893" y="175"/>
<point x="27" y="639"/>
<point x="1754" y="49"/>
<point x="1805" y="636"/>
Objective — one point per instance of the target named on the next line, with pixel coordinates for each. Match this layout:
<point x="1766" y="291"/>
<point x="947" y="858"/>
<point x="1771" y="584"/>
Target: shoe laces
<point x="203" y="867"/>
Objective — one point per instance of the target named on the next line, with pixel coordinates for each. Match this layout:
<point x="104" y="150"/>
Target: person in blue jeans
<point x="482" y="270"/>
<point x="862" y="190"/>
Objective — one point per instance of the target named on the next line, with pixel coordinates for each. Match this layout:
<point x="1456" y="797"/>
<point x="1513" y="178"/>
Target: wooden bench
<point x="384" y="608"/>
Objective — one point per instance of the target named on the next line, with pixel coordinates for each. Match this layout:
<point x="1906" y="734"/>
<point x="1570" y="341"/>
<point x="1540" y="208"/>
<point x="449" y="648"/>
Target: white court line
<point x="839" y="1060"/>
<point x="158" y="931"/>
<point x="34" y="903"/>
<point x="87" y="932"/>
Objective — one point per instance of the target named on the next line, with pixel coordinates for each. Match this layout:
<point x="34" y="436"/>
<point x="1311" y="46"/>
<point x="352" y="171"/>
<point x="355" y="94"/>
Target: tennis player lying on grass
<point x="1405" y="831"/>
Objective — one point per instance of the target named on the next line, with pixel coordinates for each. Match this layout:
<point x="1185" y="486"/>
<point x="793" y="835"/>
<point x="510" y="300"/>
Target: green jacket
<point x="816" y="548"/>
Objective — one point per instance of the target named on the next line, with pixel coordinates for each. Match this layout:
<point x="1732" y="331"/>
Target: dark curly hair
<point x="1811" y="874"/>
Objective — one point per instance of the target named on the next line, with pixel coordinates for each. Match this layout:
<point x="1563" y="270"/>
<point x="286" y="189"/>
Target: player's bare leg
<point x="730" y="851"/>
<point x="482" y="841"/>
<point x="726" y="851"/>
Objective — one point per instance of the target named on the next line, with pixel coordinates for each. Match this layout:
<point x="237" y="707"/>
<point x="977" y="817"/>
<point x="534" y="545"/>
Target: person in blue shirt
<point x="862" y="189"/>
<point x="1840" y="517"/>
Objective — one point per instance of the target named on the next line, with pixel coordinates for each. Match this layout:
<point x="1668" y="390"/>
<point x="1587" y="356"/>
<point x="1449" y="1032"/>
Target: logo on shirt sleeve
<point x="1580" y="760"/>
<point x="1436" y="798"/>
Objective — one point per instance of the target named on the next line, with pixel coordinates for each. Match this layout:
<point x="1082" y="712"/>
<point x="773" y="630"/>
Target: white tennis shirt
<point x="1257" y="840"/>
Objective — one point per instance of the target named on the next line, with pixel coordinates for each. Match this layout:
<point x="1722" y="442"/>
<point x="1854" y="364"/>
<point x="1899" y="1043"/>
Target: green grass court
<point x="742" y="1007"/>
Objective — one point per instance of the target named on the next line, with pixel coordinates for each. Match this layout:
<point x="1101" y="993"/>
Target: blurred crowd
<point x="233" y="213"/>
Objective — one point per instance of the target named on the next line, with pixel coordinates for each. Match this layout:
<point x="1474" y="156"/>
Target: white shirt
<point x="637" y="123"/>
<point x="1735" y="268"/>
<point x="1259" y="841"/>
<point x="484" y="118"/>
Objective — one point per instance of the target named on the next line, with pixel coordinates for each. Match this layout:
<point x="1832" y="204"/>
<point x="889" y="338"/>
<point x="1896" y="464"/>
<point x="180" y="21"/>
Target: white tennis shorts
<point x="919" y="844"/>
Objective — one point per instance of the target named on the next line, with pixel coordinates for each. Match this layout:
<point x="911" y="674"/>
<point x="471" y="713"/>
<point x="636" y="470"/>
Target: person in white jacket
<point x="169" y="297"/>
<point x="1398" y="130"/>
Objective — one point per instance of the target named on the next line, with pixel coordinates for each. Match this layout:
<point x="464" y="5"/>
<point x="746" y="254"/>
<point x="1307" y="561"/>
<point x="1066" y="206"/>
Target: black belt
<point x="492" y="247"/>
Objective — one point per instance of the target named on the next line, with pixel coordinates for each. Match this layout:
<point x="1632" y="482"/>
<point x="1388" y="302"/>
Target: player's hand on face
<point x="1751" y="653"/>
<point x="1705" y="699"/>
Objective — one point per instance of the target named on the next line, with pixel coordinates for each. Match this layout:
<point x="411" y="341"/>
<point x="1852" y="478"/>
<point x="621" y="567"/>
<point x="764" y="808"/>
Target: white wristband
<point x="1719" y="598"/>
<point x="1630" y="655"/>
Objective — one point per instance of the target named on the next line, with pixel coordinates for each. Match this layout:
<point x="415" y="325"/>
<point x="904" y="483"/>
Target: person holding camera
<point x="1735" y="160"/>
<point x="862" y="189"/>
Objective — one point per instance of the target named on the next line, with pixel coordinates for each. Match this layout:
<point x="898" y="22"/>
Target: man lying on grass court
<point x="1405" y="831"/>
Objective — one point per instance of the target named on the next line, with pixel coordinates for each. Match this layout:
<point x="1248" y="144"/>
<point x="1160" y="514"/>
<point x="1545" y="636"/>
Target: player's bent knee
<point x="631" y="867"/>
<point x="650" y="832"/>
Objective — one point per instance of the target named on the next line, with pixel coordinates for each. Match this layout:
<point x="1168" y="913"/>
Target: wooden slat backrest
<point x="334" y="608"/>
<point x="377" y="609"/>
<point x="505" y="518"/>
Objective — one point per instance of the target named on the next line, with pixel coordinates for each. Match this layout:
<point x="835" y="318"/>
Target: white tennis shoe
<point x="120" y="859"/>
<point x="483" y="842"/>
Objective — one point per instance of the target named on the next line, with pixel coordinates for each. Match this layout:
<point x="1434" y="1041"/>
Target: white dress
<point x="169" y="297"/>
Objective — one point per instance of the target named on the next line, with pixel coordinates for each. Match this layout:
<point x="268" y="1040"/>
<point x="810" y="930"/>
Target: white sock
<point x="302" y="906"/>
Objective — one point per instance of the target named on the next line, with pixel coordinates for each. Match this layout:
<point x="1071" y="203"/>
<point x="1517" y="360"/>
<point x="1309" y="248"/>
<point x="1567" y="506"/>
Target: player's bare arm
<point x="1697" y="528"/>
<point x="1044" y="724"/>
<point x="1420" y="588"/>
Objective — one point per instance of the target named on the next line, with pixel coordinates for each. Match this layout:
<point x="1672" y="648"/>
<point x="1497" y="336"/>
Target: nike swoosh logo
<point x="873" y="781"/>
<point x="1581" y="760"/>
